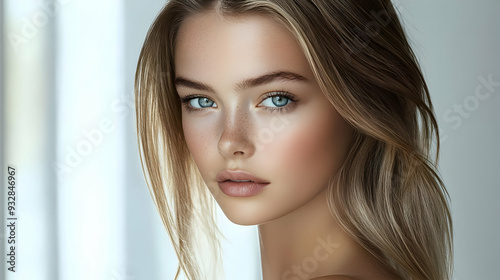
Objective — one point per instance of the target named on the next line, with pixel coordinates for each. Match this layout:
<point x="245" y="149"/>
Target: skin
<point x="307" y="144"/>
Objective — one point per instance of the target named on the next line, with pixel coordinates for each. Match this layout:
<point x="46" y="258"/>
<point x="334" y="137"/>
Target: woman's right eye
<point x="198" y="102"/>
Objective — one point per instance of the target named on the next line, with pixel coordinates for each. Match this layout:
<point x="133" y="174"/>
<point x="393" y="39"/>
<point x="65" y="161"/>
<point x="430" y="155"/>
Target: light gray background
<point x="457" y="43"/>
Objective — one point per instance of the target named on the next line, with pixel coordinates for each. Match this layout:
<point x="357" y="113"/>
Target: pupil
<point x="205" y="102"/>
<point x="279" y="101"/>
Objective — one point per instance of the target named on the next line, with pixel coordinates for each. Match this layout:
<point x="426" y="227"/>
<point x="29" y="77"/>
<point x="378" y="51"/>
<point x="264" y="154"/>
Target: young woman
<point x="310" y="119"/>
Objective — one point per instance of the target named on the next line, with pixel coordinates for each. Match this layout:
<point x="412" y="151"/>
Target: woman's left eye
<point x="278" y="101"/>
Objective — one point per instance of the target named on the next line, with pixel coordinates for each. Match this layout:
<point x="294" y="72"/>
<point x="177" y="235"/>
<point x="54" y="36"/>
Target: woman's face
<point x="251" y="103"/>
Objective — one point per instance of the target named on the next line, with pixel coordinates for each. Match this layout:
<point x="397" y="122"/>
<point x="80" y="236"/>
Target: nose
<point x="236" y="136"/>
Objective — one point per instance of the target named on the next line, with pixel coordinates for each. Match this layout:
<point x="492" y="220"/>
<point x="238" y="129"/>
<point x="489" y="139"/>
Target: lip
<point x="238" y="175"/>
<point x="240" y="189"/>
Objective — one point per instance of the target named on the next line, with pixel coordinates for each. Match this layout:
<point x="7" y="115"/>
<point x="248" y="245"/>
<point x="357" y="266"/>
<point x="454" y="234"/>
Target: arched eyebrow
<point x="245" y="84"/>
<point x="269" y="78"/>
<point x="185" y="82"/>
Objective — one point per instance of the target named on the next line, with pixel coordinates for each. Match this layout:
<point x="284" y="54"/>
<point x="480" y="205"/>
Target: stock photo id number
<point x="11" y="218"/>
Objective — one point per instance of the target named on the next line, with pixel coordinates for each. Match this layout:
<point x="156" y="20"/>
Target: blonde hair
<point x="387" y="195"/>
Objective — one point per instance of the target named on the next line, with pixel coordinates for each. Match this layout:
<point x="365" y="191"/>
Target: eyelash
<point x="185" y="101"/>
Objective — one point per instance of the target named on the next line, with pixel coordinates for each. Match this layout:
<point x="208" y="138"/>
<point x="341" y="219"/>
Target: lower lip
<point x="241" y="189"/>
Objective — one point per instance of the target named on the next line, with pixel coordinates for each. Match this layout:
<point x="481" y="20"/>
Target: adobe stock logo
<point x="485" y="88"/>
<point x="363" y="37"/>
<point x="75" y="155"/>
<point x="38" y="20"/>
<point x="321" y="253"/>
<point x="266" y="135"/>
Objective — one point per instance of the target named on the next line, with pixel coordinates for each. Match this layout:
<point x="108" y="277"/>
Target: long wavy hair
<point x="387" y="195"/>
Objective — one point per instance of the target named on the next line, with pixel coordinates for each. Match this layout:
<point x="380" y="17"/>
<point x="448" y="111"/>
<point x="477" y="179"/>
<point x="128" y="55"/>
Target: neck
<point x="304" y="244"/>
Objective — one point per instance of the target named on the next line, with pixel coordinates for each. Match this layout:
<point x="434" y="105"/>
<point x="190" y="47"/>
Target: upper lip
<point x="238" y="175"/>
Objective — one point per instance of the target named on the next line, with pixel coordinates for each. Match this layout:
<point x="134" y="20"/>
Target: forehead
<point x="209" y="45"/>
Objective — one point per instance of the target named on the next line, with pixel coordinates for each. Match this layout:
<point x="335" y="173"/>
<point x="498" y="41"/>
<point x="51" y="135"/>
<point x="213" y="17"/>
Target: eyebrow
<point x="245" y="84"/>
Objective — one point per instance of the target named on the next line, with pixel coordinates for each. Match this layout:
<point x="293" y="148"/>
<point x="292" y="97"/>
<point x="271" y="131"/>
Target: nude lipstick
<point x="240" y="183"/>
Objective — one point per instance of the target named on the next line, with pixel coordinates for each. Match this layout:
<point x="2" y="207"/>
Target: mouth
<point x="241" y="188"/>
<point x="239" y="177"/>
<point x="240" y="183"/>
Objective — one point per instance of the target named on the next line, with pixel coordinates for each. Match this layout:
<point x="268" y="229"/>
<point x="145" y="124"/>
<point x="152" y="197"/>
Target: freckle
<point x="243" y="124"/>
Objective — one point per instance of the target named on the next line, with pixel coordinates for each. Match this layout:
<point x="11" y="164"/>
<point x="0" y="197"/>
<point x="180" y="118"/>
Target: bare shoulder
<point x="333" y="277"/>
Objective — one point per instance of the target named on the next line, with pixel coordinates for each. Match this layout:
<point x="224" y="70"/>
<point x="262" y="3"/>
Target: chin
<point x="245" y="221"/>
<point x="245" y="214"/>
<point x="244" y="218"/>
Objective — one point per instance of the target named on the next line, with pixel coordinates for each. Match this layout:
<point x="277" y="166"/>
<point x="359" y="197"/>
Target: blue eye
<point x="197" y="103"/>
<point x="276" y="101"/>
<point x="202" y="102"/>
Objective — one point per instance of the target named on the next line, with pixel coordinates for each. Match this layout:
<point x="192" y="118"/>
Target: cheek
<point x="312" y="149"/>
<point x="198" y="134"/>
<point x="200" y="137"/>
